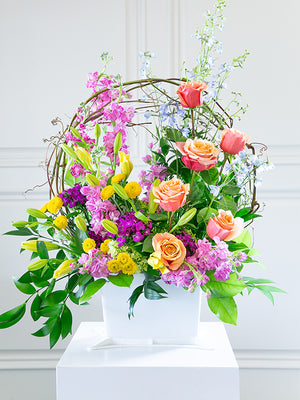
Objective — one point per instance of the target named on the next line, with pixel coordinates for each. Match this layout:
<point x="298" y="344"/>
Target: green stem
<point x="193" y="123"/>
<point x="171" y="220"/>
<point x="191" y="187"/>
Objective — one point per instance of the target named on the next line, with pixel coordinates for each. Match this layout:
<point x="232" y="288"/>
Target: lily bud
<point x="80" y="223"/>
<point x="152" y="205"/>
<point x="92" y="180"/>
<point x="63" y="269"/>
<point x="31" y="245"/>
<point x="37" y="265"/>
<point x="110" y="226"/>
<point x="84" y="157"/>
<point x="117" y="142"/>
<point x="125" y="163"/>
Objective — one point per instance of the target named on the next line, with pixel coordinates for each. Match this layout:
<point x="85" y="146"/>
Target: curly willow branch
<point x="56" y="162"/>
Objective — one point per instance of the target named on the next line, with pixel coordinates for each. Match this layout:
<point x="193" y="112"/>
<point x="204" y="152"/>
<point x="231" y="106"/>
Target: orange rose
<point x="172" y="251"/>
<point x="198" y="154"/>
<point x="224" y="226"/>
<point x="171" y="194"/>
<point x="190" y="94"/>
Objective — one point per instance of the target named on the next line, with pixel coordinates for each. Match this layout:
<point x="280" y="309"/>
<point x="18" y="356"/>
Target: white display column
<point x="204" y="371"/>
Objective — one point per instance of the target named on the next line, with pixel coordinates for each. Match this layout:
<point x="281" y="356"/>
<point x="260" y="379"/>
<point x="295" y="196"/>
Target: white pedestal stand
<point x="203" y="370"/>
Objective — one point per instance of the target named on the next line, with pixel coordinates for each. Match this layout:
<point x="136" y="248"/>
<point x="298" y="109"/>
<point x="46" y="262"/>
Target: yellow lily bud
<point x="92" y="180"/>
<point x="155" y="262"/>
<point x="63" y="269"/>
<point x="84" y="157"/>
<point x="31" y="245"/>
<point x="152" y="205"/>
<point x="125" y="163"/>
<point x="80" y="223"/>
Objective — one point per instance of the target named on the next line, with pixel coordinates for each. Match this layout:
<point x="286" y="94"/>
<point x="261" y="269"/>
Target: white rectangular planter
<point x="173" y="318"/>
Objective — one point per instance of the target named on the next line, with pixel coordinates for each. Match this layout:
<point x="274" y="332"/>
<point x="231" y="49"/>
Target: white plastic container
<point x="175" y="318"/>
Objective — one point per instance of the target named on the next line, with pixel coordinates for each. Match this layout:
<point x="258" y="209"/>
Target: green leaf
<point x="19" y="232"/>
<point x="243" y="211"/>
<point x="230" y="288"/>
<point x="72" y="282"/>
<point x="210" y="176"/>
<point x="84" y="279"/>
<point x="91" y="289"/>
<point x="55" y="333"/>
<point x="249" y="217"/>
<point x="245" y="238"/>
<point x="121" y="280"/>
<point x="26" y="288"/>
<point x="50" y="311"/>
<point x="42" y="250"/>
<point x="227" y="203"/>
<point x="20" y="224"/>
<point x="35" y="306"/>
<point x="158" y="217"/>
<point x="49" y="289"/>
<point x="174" y="135"/>
<point x="36" y="213"/>
<point x="147" y="245"/>
<point x="133" y="299"/>
<point x="69" y="179"/>
<point x="231" y="190"/>
<point x="55" y="297"/>
<point x="164" y="145"/>
<point x="224" y="308"/>
<point x="185" y="218"/>
<point x="25" y="278"/>
<point x="46" y="329"/>
<point x="11" y="317"/>
<point x="205" y="214"/>
<point x="66" y="322"/>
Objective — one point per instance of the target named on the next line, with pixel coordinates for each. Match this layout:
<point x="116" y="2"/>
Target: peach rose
<point x="233" y="141"/>
<point x="171" y="194"/>
<point x="172" y="251"/>
<point x="224" y="226"/>
<point x="198" y="154"/>
<point x="190" y="94"/>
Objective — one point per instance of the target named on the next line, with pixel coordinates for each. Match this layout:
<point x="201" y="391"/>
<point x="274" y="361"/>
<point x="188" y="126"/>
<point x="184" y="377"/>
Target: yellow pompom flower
<point x="130" y="268"/>
<point x="124" y="258"/>
<point x="44" y="208"/>
<point x="133" y="189"/>
<point x="113" y="266"/>
<point x="88" y="244"/>
<point x="104" y="246"/>
<point x="118" y="178"/>
<point x="107" y="192"/>
<point x="55" y="204"/>
<point x="61" y="222"/>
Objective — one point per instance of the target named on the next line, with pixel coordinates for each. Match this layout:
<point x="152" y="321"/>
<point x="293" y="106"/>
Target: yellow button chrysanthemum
<point x="88" y="244"/>
<point x="113" y="266"/>
<point x="61" y="222"/>
<point x="107" y="192"/>
<point x="55" y="204"/>
<point x="130" y="268"/>
<point x="104" y="246"/>
<point x="118" y="178"/>
<point x="133" y="189"/>
<point x="124" y="258"/>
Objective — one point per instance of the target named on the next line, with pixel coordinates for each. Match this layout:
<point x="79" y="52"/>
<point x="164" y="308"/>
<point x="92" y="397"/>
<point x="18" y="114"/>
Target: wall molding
<point x="247" y="359"/>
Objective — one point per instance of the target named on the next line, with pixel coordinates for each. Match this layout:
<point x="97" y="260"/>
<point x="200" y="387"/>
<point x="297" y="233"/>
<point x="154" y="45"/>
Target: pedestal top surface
<point x="214" y="351"/>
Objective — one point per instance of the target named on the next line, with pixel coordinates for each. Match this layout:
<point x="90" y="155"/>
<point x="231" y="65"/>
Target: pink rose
<point x="233" y="141"/>
<point x="198" y="154"/>
<point x="224" y="226"/>
<point x="171" y="194"/>
<point x="190" y="94"/>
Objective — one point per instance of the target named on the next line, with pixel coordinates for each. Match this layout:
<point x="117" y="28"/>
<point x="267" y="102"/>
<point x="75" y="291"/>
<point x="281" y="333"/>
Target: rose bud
<point x="233" y="141"/>
<point x="190" y="94"/>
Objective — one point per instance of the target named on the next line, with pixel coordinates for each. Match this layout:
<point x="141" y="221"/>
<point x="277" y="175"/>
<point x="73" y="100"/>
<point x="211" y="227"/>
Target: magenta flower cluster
<point x="73" y="197"/>
<point x="130" y="226"/>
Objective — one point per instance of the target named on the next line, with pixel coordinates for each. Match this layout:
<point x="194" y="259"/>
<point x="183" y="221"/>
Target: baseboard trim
<point x="247" y="359"/>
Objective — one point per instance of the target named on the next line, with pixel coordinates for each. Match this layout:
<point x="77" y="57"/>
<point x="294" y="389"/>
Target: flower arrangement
<point x="183" y="221"/>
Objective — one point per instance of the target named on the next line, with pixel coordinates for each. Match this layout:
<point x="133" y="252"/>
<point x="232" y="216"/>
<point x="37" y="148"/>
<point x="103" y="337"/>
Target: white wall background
<point x="47" y="48"/>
